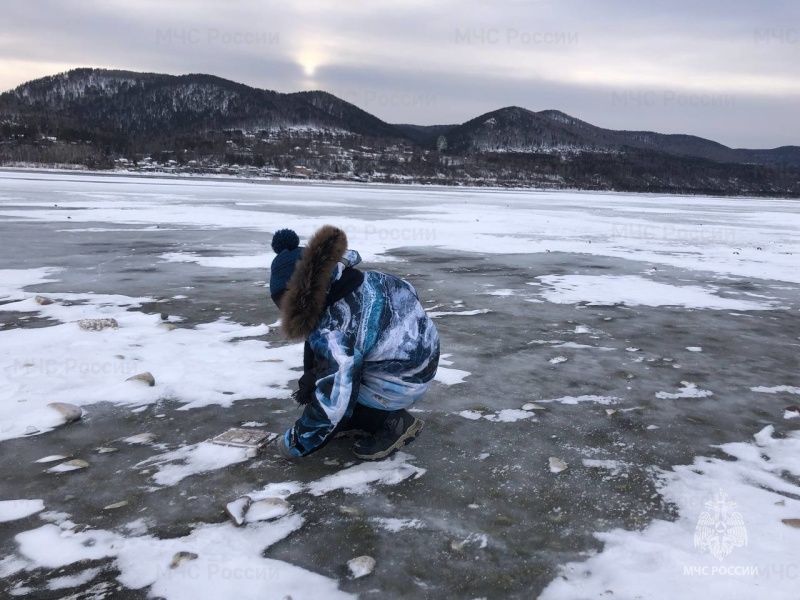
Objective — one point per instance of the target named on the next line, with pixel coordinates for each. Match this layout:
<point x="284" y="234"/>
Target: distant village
<point x="267" y="154"/>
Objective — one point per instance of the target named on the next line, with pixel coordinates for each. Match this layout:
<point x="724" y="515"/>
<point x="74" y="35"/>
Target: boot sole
<point x="409" y="436"/>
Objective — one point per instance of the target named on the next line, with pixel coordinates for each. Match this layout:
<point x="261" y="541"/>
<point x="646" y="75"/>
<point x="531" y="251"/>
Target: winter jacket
<point x="368" y="339"/>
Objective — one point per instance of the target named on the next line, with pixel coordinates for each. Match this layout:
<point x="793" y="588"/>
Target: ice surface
<point x="615" y="467"/>
<point x="465" y="220"/>
<point x="221" y="549"/>
<point x="642" y="272"/>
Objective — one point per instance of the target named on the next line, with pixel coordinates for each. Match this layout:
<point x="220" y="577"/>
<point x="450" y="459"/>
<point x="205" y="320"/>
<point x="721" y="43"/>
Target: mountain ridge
<point x="320" y="99"/>
<point x="117" y="115"/>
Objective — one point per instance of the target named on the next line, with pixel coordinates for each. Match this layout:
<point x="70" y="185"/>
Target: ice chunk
<point x="238" y="509"/>
<point x="97" y="324"/>
<point x="361" y="566"/>
<point x="70" y="465"/>
<point x="252" y="440"/>
<point x="267" y="509"/>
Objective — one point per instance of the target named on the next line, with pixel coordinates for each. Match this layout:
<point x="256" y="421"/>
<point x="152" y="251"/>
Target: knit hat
<point x="286" y="244"/>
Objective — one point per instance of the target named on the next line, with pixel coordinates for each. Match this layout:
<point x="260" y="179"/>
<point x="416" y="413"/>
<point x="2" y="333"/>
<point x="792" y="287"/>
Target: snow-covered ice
<point x="229" y="561"/>
<point x="627" y="288"/>
<point x="678" y="559"/>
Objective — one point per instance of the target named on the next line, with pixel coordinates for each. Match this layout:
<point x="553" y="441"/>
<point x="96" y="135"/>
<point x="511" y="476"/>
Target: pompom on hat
<point x="284" y="239"/>
<point x="286" y="245"/>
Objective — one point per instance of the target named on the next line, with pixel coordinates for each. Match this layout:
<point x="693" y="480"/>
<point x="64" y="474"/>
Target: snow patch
<point x="172" y="467"/>
<point x="451" y="376"/>
<point x="631" y="290"/>
<point x="12" y="510"/>
<point x="689" y="390"/>
<point x="395" y="525"/>
<point x="229" y="563"/>
<point x="650" y="563"/>
<point x="356" y="479"/>
<point x="214" y="363"/>
<point x="507" y="415"/>
<point x="788" y="389"/>
<point x="71" y="581"/>
<point x="579" y="399"/>
<point x="463" y="313"/>
<point x="258" y="261"/>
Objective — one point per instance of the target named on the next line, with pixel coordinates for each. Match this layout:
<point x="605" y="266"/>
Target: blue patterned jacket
<point x="368" y="339"/>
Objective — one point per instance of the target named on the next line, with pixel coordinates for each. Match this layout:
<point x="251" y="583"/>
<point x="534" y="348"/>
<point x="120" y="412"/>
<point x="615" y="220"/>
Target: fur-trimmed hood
<point x="304" y="301"/>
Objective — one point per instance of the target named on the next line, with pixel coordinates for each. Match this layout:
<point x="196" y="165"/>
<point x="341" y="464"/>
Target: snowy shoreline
<point x="222" y="178"/>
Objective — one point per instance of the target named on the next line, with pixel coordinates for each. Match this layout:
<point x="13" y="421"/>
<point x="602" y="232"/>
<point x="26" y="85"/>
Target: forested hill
<point x="202" y="123"/>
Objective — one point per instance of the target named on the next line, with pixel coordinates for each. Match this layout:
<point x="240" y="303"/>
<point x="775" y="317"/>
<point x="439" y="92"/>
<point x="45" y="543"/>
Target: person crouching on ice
<point x="370" y="349"/>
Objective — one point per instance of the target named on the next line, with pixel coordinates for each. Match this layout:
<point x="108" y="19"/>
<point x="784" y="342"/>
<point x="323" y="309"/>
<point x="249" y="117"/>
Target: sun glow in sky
<point x="309" y="63"/>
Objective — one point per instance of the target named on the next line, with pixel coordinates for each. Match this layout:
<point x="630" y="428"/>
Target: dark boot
<point x="399" y="428"/>
<point x="364" y="422"/>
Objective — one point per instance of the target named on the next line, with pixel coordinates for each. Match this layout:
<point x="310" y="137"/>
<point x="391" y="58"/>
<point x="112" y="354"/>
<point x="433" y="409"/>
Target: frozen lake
<point x="648" y="342"/>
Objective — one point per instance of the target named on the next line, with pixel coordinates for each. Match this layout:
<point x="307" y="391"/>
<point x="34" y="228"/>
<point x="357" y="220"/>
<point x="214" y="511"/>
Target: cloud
<point x="710" y="68"/>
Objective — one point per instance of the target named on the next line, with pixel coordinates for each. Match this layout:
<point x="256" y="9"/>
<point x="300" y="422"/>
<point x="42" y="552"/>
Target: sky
<point x="721" y="69"/>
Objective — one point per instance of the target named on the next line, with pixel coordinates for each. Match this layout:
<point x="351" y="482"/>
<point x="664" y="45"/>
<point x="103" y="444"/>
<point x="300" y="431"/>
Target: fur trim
<point x="304" y="300"/>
